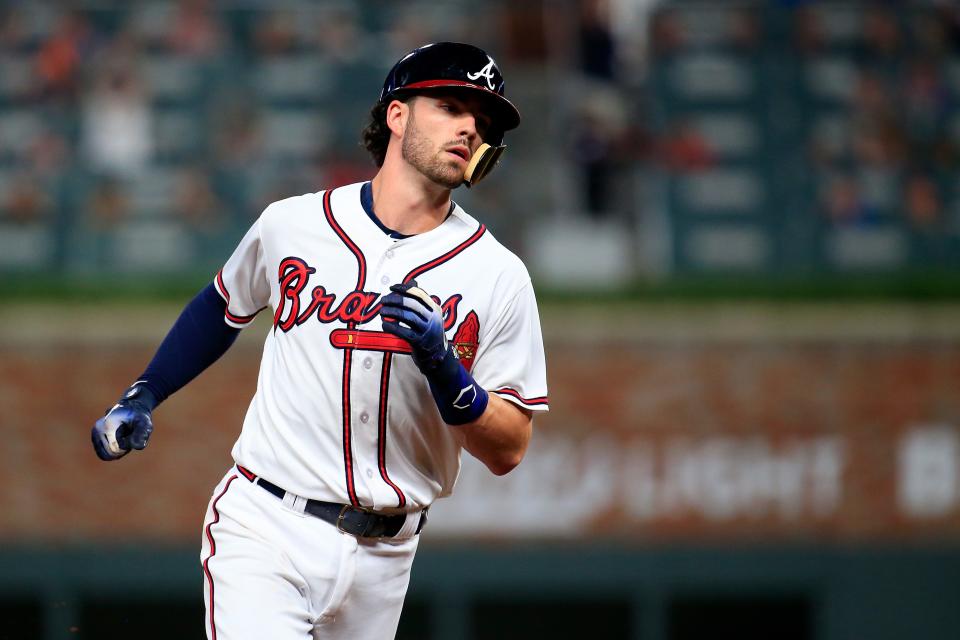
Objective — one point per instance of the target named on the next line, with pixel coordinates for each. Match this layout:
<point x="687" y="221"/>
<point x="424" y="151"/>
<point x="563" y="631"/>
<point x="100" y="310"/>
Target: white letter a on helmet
<point x="486" y="72"/>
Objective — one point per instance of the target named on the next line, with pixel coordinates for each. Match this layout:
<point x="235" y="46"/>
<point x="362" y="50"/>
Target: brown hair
<point x="376" y="135"/>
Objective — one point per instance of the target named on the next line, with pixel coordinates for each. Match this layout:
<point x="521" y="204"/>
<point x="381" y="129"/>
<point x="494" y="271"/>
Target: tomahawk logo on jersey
<point x="337" y="390"/>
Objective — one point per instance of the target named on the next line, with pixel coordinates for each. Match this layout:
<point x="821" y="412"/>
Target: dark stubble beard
<point x="418" y="152"/>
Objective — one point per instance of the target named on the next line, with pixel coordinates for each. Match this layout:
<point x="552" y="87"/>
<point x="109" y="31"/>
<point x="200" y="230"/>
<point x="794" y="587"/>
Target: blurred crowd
<point x="876" y="86"/>
<point x="901" y="107"/>
<point x="198" y="113"/>
<point x="856" y="104"/>
<point x="191" y="114"/>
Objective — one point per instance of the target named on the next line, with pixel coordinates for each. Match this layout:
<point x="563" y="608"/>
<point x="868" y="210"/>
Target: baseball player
<point x="403" y="332"/>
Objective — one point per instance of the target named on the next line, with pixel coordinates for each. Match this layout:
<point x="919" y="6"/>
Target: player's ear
<point x="397" y="113"/>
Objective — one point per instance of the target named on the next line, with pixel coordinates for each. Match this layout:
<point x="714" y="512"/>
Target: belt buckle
<point x="343" y="512"/>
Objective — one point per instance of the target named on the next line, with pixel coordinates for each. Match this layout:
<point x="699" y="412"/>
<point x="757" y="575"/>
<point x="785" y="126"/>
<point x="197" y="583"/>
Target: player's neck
<point x="408" y="203"/>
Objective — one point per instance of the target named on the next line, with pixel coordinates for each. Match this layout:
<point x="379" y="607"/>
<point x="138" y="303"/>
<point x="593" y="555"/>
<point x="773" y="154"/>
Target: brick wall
<point x="661" y="429"/>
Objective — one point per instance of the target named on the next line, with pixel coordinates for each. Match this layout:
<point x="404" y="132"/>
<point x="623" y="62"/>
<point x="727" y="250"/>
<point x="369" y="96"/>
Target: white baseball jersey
<point x="341" y="413"/>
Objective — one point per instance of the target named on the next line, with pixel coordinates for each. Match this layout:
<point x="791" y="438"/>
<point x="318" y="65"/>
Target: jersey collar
<point x="366" y="201"/>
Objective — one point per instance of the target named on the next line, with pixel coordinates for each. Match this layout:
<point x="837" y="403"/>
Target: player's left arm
<point x="495" y="430"/>
<point x="499" y="437"/>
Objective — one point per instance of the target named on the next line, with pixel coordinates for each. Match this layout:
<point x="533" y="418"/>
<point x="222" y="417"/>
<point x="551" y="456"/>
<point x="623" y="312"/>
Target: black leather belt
<point x="357" y="521"/>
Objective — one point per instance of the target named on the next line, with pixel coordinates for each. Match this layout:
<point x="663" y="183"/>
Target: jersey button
<point x="389" y="254"/>
<point x="364" y="417"/>
<point x="384" y="280"/>
<point x="367" y="363"/>
<point x="369" y="473"/>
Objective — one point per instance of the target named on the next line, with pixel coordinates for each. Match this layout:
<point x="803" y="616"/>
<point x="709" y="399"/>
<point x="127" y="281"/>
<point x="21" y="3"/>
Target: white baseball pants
<point x="271" y="571"/>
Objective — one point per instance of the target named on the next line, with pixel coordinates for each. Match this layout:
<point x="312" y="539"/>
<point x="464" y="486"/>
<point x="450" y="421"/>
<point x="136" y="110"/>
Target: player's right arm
<point x="206" y="328"/>
<point x="196" y="340"/>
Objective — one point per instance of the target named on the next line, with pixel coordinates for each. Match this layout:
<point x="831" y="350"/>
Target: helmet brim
<point x="505" y="114"/>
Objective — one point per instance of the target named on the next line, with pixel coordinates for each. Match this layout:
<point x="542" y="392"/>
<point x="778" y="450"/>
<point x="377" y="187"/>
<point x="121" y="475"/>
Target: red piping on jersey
<point x="507" y="391"/>
<point x="347" y="444"/>
<point x="436" y="262"/>
<point x="213" y="551"/>
<point x="347" y="353"/>
<point x="226" y="296"/>
<point x="382" y="431"/>
<point x="361" y="261"/>
<point x="388" y="359"/>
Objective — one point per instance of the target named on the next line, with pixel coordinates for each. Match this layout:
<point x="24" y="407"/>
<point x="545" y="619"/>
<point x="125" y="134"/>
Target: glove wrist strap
<point x="141" y="393"/>
<point x="458" y="396"/>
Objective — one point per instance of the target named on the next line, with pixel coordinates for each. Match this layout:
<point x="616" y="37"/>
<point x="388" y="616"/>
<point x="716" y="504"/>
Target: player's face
<point x="442" y="133"/>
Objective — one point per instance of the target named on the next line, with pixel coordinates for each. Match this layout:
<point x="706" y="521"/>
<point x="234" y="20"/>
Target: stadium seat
<point x="17" y="78"/>
<point x="870" y="248"/>
<point x="173" y="79"/>
<point x="298" y="80"/>
<point x="29" y="246"/>
<point x="294" y="133"/>
<point x="152" y="245"/>
<point x="725" y="247"/>
<point x="18" y="129"/>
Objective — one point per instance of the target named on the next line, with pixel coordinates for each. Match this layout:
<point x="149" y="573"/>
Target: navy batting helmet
<point x="452" y="65"/>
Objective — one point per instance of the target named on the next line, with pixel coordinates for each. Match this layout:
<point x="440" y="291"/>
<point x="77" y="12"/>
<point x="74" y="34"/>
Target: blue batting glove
<point x="127" y="425"/>
<point x="408" y="312"/>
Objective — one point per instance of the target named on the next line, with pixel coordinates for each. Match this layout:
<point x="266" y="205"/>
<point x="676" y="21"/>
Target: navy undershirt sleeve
<point x="196" y="340"/>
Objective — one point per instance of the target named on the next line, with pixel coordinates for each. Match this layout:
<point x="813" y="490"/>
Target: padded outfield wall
<point x="785" y="470"/>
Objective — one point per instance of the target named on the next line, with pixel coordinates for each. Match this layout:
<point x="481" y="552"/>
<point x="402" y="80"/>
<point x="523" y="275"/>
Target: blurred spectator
<point x="524" y="32"/>
<point x="12" y="36"/>
<point x="948" y="14"/>
<point x="237" y="141"/>
<point x="598" y="54"/>
<point x="340" y="36"/>
<point x="808" y="33"/>
<point x="108" y="204"/>
<point x="930" y="34"/>
<point x="926" y="103"/>
<point x="276" y="33"/>
<point x="872" y="96"/>
<point x="878" y="136"/>
<point x="878" y="144"/>
<point x="684" y="150"/>
<point x="117" y="123"/>
<point x="47" y="155"/>
<point x="666" y="34"/>
<point x="61" y="57"/>
<point x="197" y="202"/>
<point x="237" y="135"/>
<point x="594" y="155"/>
<point x="844" y="205"/>
<point x="922" y="201"/>
<point x="195" y="29"/>
<point x="603" y="143"/>
<point x="25" y="201"/>
<point x="882" y="39"/>
<point x="746" y="32"/>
